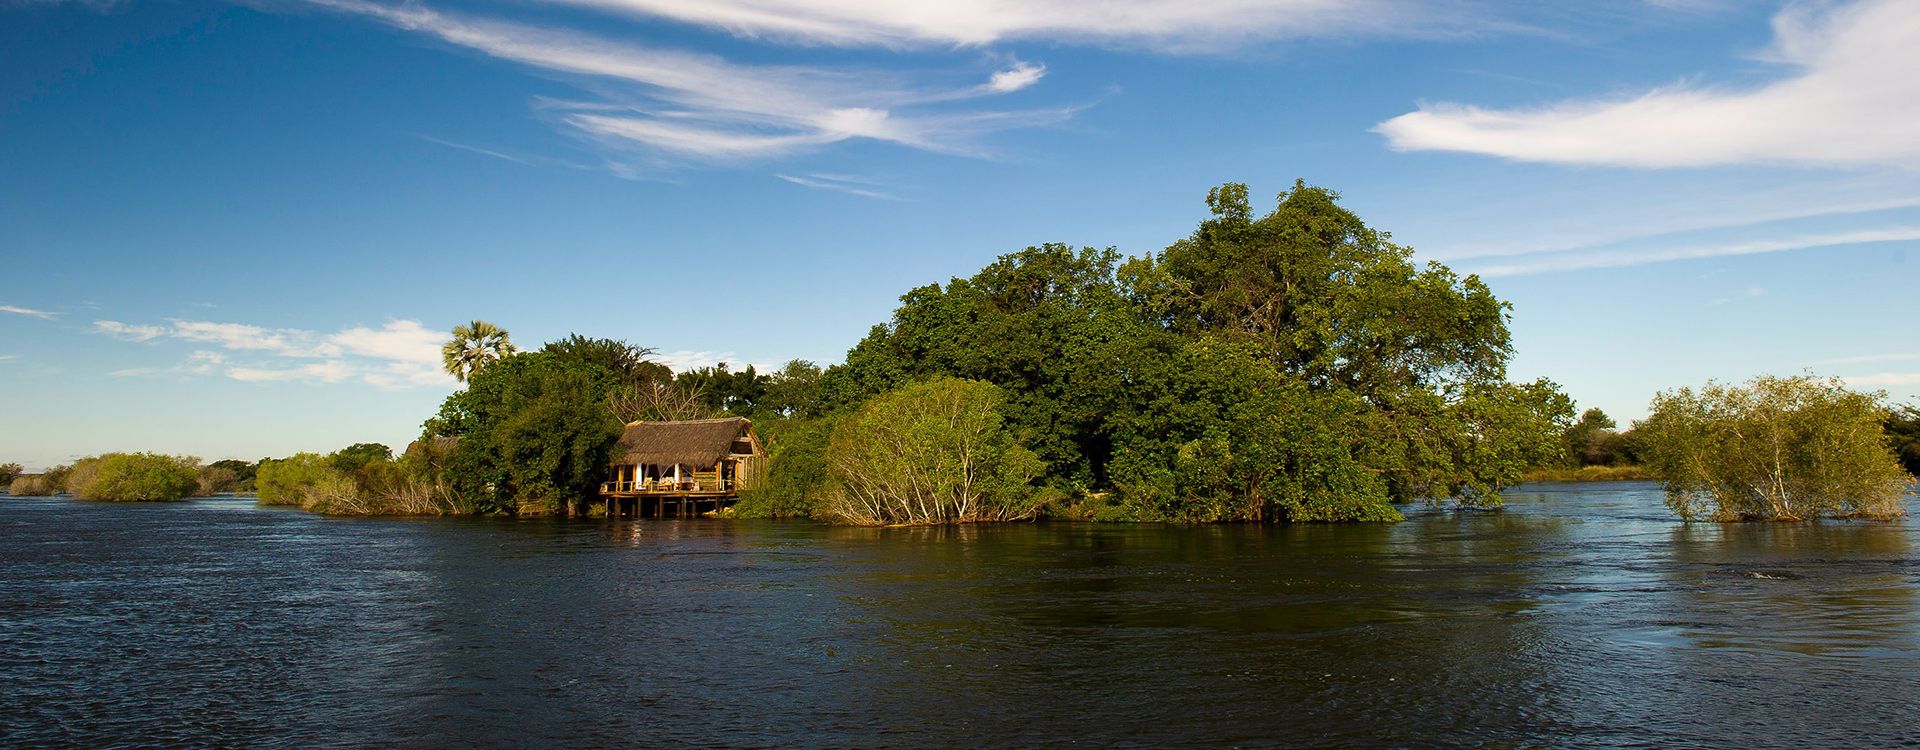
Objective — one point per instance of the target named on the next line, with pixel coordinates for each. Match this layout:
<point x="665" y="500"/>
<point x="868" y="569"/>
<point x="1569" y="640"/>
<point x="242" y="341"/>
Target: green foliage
<point x="1229" y="437"/>
<point x="31" y="485"/>
<point x="931" y="452"/>
<point x="628" y="361"/>
<point x="1903" y="427"/>
<point x="284" y="481"/>
<point x="243" y="472"/>
<point x="9" y="472"/>
<point x="375" y="485"/>
<point x="1049" y="325"/>
<point x="1593" y="441"/>
<point x="357" y="456"/>
<point x="1784" y="449"/>
<point x="797" y="474"/>
<point x="534" y="433"/>
<point x="722" y="390"/>
<point x="1328" y="298"/>
<point x="1378" y="381"/>
<point x="791" y="393"/>
<point x="135" y="477"/>
<point x="213" y="480"/>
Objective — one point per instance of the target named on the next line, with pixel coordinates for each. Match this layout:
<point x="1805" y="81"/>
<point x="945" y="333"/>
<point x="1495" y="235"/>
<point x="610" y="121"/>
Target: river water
<point x="1580" y="616"/>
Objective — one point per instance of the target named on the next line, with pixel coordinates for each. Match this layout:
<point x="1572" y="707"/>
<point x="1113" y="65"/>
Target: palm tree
<point x="473" y="346"/>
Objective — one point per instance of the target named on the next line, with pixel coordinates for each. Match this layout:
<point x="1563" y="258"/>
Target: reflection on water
<point x="1581" y="616"/>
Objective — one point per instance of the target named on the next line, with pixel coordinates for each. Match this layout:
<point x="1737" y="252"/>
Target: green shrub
<point x="134" y="477"/>
<point x="931" y="452"/>
<point x="377" y="486"/>
<point x="796" y="478"/>
<point x="1784" y="449"/>
<point x="285" y="481"/>
<point x="31" y="485"/>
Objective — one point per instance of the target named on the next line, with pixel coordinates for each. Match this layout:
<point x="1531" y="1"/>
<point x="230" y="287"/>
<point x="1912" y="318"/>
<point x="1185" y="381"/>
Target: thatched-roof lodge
<point x="683" y="465"/>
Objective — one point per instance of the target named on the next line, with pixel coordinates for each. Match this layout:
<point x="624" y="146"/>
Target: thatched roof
<point x="700" y="442"/>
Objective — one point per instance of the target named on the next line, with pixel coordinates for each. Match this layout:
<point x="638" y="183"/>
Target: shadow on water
<point x="1581" y="615"/>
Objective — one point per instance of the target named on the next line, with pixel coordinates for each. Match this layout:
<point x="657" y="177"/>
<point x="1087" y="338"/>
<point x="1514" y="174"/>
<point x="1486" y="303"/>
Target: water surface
<point x="1581" y="616"/>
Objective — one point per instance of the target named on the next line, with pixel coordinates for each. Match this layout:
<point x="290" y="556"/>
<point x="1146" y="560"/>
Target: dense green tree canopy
<point x="1328" y="298"/>
<point x="534" y="432"/>
<point x="1049" y="325"/>
<point x="1290" y="366"/>
<point x="1903" y="427"/>
<point x="355" y="457"/>
<point x="629" y="361"/>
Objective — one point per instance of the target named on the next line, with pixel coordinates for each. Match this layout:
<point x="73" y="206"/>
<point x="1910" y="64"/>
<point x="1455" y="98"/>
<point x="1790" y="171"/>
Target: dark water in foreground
<point x="1582" y="616"/>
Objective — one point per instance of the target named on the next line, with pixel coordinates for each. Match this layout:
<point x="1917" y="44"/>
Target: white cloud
<point x="686" y="359"/>
<point x="399" y="354"/>
<point x="1018" y="77"/>
<point x="330" y="371"/>
<point x="240" y="336"/>
<point x="678" y="104"/>
<point x="1883" y="378"/>
<point x="841" y="183"/>
<point x="127" y="332"/>
<point x="27" y="311"/>
<point x="1747" y="293"/>
<point x="1570" y="261"/>
<point x="8" y="357"/>
<point x="1853" y="100"/>
<point x="399" y="340"/>
<point x="1165" y="24"/>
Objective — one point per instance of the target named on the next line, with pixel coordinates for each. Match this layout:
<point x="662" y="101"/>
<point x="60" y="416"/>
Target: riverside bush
<point x="1779" y="449"/>
<point x="931" y="452"/>
<point x="134" y="477"/>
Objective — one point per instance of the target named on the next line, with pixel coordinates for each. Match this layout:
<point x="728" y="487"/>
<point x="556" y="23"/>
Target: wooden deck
<point x="638" y="500"/>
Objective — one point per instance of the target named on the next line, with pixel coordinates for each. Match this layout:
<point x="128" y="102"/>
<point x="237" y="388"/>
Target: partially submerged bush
<point x="31" y="485"/>
<point x="931" y="452"/>
<point x="797" y="478"/>
<point x="377" y="485"/>
<point x="1782" y="449"/>
<point x="134" y="477"/>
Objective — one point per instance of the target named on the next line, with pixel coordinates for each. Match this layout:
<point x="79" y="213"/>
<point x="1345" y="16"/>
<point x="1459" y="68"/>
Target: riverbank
<point x="1591" y="474"/>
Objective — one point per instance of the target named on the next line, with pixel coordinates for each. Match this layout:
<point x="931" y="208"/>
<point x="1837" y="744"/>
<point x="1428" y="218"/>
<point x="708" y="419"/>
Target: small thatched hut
<point x="703" y="457"/>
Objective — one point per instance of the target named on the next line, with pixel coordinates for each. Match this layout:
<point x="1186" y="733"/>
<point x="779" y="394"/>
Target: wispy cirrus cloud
<point x="127" y="332"/>
<point x="399" y="354"/>
<point x="678" y="105"/>
<point x="1516" y="265"/>
<point x="842" y="183"/>
<point x="27" y="311"/>
<point x="1176" y="25"/>
<point x="1867" y="359"/>
<point x="1852" y="101"/>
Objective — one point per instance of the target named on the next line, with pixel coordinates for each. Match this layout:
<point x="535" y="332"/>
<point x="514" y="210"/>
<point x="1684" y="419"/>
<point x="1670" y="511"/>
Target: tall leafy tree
<point x="1329" y="300"/>
<point x="474" y="345"/>
<point x="1327" y="297"/>
<point x="631" y="362"/>
<point x="1049" y="325"/>
<point x="534" y="433"/>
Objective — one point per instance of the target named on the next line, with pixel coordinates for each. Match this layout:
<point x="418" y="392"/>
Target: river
<point x="1579" y="616"/>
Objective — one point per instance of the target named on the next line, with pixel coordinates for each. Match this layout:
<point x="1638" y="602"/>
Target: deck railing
<point x="696" y="483"/>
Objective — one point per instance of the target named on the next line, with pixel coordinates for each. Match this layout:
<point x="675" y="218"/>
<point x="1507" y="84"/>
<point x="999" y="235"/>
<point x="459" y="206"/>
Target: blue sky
<point x="241" y="229"/>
